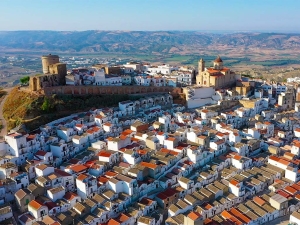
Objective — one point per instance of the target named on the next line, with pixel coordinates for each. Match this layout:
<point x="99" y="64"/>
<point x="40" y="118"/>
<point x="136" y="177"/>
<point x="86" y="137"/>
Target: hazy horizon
<point x="154" y="15"/>
<point x="202" y="31"/>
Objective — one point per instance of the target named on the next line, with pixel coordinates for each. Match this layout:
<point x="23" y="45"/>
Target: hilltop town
<point x="229" y="154"/>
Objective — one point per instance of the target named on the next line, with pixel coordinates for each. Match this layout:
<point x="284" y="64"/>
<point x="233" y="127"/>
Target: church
<point x="217" y="76"/>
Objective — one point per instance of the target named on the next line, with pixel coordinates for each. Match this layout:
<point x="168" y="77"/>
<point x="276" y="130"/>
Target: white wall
<point x="194" y="103"/>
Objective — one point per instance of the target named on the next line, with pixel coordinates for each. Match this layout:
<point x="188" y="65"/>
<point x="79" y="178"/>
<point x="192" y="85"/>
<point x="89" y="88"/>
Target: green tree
<point x="46" y="105"/>
<point x="24" y="80"/>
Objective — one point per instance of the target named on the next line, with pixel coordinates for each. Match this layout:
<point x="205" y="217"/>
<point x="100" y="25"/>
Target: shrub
<point x="46" y="105"/>
<point x="24" y="80"/>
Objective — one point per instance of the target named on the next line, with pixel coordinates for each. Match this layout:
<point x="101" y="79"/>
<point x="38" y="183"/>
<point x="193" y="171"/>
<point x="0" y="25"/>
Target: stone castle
<point x="54" y="74"/>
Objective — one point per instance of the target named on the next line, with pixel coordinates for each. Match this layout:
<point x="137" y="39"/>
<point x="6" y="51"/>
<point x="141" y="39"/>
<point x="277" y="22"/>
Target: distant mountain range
<point x="143" y="42"/>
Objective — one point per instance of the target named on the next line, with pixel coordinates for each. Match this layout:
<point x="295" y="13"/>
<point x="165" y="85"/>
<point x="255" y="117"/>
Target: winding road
<point x="3" y="131"/>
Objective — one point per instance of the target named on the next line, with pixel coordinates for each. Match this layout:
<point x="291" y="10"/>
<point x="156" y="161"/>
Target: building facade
<point x="217" y="76"/>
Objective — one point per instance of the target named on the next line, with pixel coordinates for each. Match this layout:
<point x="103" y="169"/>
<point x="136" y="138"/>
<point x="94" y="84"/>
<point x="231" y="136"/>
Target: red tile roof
<point x="41" y="153"/>
<point x="171" y="139"/>
<point x="51" y="205"/>
<point x="119" y="220"/>
<point x="296" y="186"/>
<point x="297" y="130"/>
<point x="284" y="194"/>
<point x="78" y="168"/>
<point x="235" y="183"/>
<point x="226" y="215"/>
<point x="104" y="154"/>
<point x="35" y="204"/>
<point x="146" y="201"/>
<point x="62" y="173"/>
<point x="239" y="215"/>
<point x="82" y="177"/>
<point x="258" y="201"/>
<point x="103" y="179"/>
<point x="194" y="215"/>
<point x="148" y="165"/>
<point x="274" y="158"/>
<point x="110" y="174"/>
<point x="297" y="196"/>
<point x="290" y="190"/>
<point x="207" y="206"/>
<point x="70" y="195"/>
<point x="237" y="157"/>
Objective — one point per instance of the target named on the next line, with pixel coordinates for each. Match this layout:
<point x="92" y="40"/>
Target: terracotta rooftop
<point x="148" y="165"/>
<point x="194" y="215"/>
<point x="69" y="196"/>
<point x="78" y="168"/>
<point x="82" y="177"/>
<point x="35" y="204"/>
<point x="41" y="153"/>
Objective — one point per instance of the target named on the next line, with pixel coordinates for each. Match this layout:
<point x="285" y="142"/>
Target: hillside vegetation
<point x="22" y="107"/>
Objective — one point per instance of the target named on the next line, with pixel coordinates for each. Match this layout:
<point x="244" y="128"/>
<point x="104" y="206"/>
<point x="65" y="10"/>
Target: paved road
<point x="3" y="131"/>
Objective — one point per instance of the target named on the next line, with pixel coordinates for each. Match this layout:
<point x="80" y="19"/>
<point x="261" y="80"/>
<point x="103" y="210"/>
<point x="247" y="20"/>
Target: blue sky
<point x="221" y="15"/>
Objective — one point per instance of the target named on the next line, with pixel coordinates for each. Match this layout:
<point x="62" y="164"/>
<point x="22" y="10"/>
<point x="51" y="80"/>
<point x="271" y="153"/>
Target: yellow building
<point x="217" y="76"/>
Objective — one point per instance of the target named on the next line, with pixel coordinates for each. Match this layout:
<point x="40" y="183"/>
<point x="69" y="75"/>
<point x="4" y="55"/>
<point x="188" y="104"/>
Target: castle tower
<point x="201" y="66"/>
<point x="218" y="63"/>
<point x="47" y="61"/>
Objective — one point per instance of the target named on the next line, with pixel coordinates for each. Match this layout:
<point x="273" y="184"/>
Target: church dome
<point x="218" y="60"/>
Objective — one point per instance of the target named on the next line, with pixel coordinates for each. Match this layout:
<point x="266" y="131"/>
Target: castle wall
<point x="97" y="90"/>
<point x="48" y="80"/>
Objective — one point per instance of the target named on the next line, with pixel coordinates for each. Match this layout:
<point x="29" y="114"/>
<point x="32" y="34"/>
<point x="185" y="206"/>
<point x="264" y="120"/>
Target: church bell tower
<point x="201" y="66"/>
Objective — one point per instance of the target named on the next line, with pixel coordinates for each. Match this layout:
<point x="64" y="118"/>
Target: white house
<point x="236" y="188"/>
<point x="297" y="132"/>
<point x="45" y="156"/>
<point x="296" y="148"/>
<point x="72" y="198"/>
<point x="295" y="218"/>
<point x="163" y="69"/>
<point x="43" y="170"/>
<point x="122" y="183"/>
<point x="37" y="209"/>
<point x="80" y="141"/>
<point x="65" y="133"/>
<point x="21" y="179"/>
<point x="56" y="193"/>
<point x="241" y="162"/>
<point x="67" y="180"/>
<point x="86" y="185"/>
<point x="281" y="163"/>
<point x="116" y="144"/>
<point x="6" y="169"/>
<point x="108" y="156"/>
<point x="60" y="150"/>
<point x="292" y="174"/>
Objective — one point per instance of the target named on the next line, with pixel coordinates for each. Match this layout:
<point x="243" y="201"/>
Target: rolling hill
<point x="143" y="42"/>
